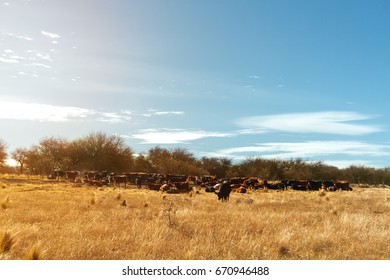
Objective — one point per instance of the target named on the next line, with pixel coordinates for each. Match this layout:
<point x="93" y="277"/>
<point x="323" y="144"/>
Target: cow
<point x="71" y="175"/>
<point x="56" y="175"/>
<point x="224" y="191"/>
<point x="241" y="189"/>
<point x="182" y="186"/>
<point x="139" y="181"/>
<point x="209" y="188"/>
<point x="154" y="186"/>
<point x="263" y="183"/>
<point x="118" y="179"/>
<point x="169" y="188"/>
<point x="328" y="186"/>
<point x="298" y="185"/>
<point x="342" y="185"/>
<point x="279" y="186"/>
<point x="91" y="176"/>
<point x="315" y="185"/>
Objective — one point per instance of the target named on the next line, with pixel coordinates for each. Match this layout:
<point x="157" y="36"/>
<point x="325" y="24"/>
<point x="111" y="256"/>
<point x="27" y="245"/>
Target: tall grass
<point x="35" y="253"/>
<point x="142" y="224"/>
<point x="6" y="242"/>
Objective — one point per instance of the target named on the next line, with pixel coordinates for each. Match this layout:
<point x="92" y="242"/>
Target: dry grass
<point x="71" y="221"/>
<point x="35" y="253"/>
<point x="6" y="242"/>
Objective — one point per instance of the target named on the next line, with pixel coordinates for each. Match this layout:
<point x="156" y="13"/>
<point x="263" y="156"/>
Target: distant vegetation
<point x="98" y="151"/>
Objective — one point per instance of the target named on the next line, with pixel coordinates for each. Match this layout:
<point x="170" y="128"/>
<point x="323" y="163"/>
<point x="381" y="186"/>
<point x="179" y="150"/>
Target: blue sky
<point x="236" y="79"/>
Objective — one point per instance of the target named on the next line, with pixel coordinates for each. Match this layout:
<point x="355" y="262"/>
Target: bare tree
<point x="100" y="152"/>
<point x="3" y="152"/>
<point x="20" y="155"/>
<point x="218" y="166"/>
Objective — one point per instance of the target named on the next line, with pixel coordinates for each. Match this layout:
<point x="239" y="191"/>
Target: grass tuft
<point x="5" y="203"/>
<point x="322" y="193"/>
<point x="6" y="242"/>
<point x="284" y="251"/>
<point x="169" y="209"/>
<point x="35" y="253"/>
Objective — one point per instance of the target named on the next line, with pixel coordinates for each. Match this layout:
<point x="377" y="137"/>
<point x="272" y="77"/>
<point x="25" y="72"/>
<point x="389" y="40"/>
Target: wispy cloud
<point x="174" y="136"/>
<point x="24" y="111"/>
<point x="312" y="122"/>
<point x="308" y="149"/>
<point x="44" y="56"/>
<point x="9" y="56"/>
<point x="17" y="36"/>
<point x="40" y="112"/>
<point x="50" y="35"/>
<point x="114" y="117"/>
<point x="347" y="163"/>
<point x="8" y="60"/>
<point x="153" y="112"/>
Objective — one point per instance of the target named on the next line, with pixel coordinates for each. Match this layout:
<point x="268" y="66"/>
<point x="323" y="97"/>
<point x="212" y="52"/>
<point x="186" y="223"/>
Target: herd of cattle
<point x="182" y="183"/>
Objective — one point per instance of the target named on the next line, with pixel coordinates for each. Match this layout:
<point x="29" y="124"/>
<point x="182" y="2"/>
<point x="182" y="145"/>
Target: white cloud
<point x="169" y="113"/>
<point x="44" y="56"/>
<point x="347" y="163"/>
<point x="40" y="112"/>
<point x="40" y="65"/>
<point x="10" y="56"/>
<point x="113" y="117"/>
<point x="153" y="112"/>
<point x="50" y="113"/>
<point x="20" y="37"/>
<point x="311" y="122"/>
<point x="8" y="60"/>
<point x="309" y="149"/>
<point x="50" y="35"/>
<point x="174" y="136"/>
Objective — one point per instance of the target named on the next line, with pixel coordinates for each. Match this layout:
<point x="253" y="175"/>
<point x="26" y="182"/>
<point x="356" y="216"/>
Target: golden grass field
<point x="41" y="219"/>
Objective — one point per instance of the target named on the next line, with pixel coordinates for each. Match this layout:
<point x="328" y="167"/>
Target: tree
<point x="100" y="152"/>
<point x="359" y="174"/>
<point x="175" y="161"/>
<point x="3" y="152"/>
<point x="20" y="155"/>
<point x="142" y="164"/>
<point x="54" y="151"/>
<point x="37" y="162"/>
<point x="220" y="167"/>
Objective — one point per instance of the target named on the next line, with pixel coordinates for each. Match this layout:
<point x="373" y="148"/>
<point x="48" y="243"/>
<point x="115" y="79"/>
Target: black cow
<point x="224" y="191"/>
<point x="56" y="175"/>
<point x="315" y="185"/>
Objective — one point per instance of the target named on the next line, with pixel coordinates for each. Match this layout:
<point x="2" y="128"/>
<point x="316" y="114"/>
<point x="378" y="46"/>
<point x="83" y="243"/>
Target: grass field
<point x="67" y="221"/>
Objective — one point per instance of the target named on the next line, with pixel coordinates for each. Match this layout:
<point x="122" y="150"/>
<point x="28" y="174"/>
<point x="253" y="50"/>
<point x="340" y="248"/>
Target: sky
<point x="219" y="78"/>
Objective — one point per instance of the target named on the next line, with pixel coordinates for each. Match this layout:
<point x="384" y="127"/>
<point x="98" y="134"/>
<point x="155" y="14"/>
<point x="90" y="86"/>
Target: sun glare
<point x="11" y="162"/>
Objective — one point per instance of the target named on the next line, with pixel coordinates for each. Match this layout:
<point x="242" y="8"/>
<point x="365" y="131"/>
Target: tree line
<point x="101" y="152"/>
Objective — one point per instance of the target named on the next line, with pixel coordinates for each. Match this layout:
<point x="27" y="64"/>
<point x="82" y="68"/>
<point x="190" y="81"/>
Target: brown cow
<point x="154" y="186"/>
<point x="182" y="186"/>
<point x="342" y="185"/>
<point x="165" y="187"/>
<point x="241" y="189"/>
<point x="71" y="175"/>
<point x="118" y="179"/>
